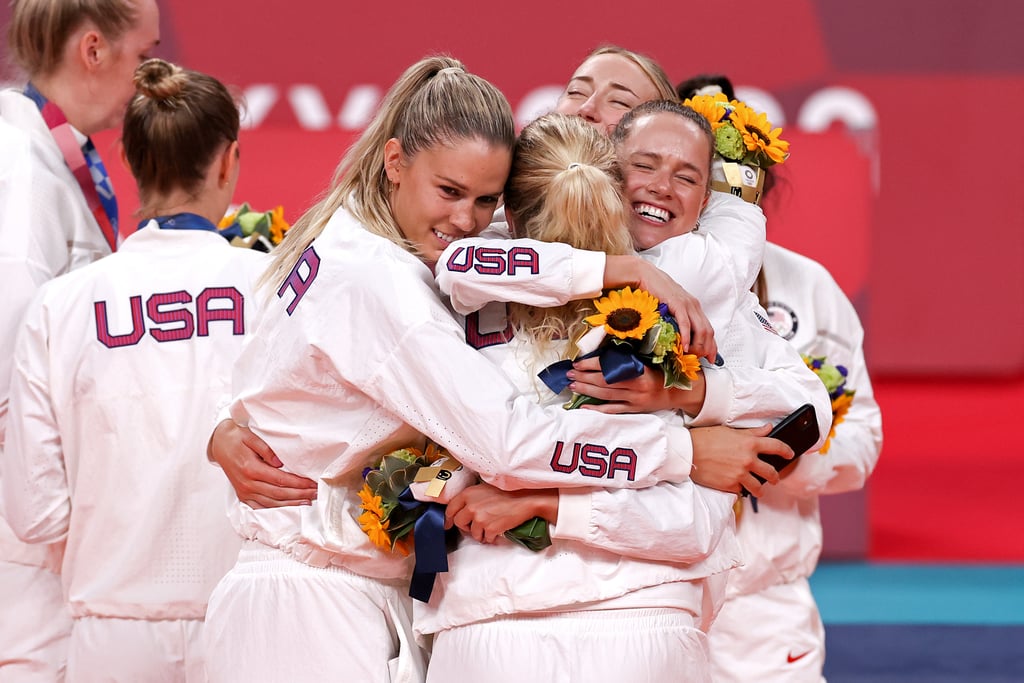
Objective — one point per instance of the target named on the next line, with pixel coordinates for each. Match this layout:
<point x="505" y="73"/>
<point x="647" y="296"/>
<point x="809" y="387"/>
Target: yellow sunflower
<point x="758" y="134"/>
<point x="625" y="314"/>
<point x="711" y="107"/>
<point x="688" y="364"/>
<point x="375" y="529"/>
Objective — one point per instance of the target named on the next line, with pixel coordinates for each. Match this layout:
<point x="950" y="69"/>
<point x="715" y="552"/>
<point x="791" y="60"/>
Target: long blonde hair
<point x="436" y="101"/>
<point x="565" y="186"/>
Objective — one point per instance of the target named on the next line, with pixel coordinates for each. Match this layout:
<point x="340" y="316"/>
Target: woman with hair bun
<point x="118" y="374"/>
<point x="55" y="216"/>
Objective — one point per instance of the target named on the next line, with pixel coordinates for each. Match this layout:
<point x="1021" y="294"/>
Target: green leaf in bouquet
<point x="674" y="378"/>
<point x="399" y="478"/>
<point x="531" y="534"/>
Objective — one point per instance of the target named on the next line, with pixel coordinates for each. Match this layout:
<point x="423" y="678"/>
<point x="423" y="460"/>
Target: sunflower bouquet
<point x="834" y="379"/>
<point x="385" y="519"/>
<point x="409" y="484"/>
<point x="631" y="329"/>
<point x="260" y="230"/>
<point x="745" y="144"/>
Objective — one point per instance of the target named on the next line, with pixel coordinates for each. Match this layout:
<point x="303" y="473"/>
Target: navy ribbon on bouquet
<point x="431" y="551"/>
<point x="618" y="363"/>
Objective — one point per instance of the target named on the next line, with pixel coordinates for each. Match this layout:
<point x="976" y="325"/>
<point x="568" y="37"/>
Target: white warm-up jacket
<point x="46" y="229"/>
<point x="119" y="372"/>
<point x="782" y="541"/>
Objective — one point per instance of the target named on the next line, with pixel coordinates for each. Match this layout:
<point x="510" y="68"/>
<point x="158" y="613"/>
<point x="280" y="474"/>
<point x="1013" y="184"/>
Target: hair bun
<point x="159" y="80"/>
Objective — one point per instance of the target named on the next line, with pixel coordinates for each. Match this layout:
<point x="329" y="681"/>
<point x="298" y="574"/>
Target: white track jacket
<point x="782" y="542"/>
<point x="46" y="229"/>
<point x="118" y="375"/>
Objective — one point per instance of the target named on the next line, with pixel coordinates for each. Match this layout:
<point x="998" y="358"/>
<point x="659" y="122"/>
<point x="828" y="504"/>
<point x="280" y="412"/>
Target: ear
<point x="393" y="160"/>
<point x="92" y="49"/>
<point x="707" y="198"/>
<point x="228" y="164"/>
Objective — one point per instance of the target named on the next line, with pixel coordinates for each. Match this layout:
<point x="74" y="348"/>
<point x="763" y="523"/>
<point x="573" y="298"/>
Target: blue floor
<point x="922" y="624"/>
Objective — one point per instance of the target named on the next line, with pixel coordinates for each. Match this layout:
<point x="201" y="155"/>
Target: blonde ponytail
<point x="565" y="186"/>
<point x="436" y="101"/>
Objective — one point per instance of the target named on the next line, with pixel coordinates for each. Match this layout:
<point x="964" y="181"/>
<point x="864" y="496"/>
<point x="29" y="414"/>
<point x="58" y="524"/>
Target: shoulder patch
<point x="783" y="319"/>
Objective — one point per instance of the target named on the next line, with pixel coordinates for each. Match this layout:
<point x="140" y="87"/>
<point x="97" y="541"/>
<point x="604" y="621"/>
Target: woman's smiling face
<point x="665" y="163"/>
<point x="445" y="192"/>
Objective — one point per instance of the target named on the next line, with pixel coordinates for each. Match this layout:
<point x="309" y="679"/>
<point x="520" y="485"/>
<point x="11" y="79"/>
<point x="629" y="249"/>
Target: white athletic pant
<point x="275" y="619"/>
<point x="34" y="625"/>
<point x="774" y="636"/>
<point x="598" y="646"/>
<point x="136" y="651"/>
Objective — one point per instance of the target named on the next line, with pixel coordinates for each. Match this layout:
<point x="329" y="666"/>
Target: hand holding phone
<point x="799" y="431"/>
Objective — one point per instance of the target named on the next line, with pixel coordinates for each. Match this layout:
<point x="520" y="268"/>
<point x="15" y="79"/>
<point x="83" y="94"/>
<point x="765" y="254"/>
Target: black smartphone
<point x="799" y="431"/>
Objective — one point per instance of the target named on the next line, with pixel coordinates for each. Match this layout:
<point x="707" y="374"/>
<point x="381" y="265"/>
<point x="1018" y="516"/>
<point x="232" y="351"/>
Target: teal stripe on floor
<point x="920" y="594"/>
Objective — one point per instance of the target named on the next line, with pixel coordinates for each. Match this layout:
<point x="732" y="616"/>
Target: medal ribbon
<point x="84" y="163"/>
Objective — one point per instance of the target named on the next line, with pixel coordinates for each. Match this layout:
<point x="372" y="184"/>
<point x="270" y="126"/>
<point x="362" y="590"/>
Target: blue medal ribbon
<point x="84" y="162"/>
<point x="182" y="221"/>
<point x="431" y="551"/>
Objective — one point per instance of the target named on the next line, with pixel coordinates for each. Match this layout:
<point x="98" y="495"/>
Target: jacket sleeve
<point x="508" y="439"/>
<point x="681" y="523"/>
<point x="857" y="441"/>
<point x="740" y="227"/>
<point x="476" y="271"/>
<point x="37" y="500"/>
<point x="751" y="394"/>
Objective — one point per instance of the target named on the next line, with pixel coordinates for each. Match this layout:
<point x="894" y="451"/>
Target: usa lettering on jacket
<point x="494" y="260"/>
<point x="168" y="316"/>
<point x="300" y="278"/>
<point x="594" y="460"/>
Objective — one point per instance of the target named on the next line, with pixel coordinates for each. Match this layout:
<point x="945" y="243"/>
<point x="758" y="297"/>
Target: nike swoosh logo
<point x="790" y="658"/>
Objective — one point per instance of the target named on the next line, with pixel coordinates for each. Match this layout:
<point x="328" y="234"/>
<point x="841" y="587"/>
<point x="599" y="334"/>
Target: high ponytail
<point x="565" y="186"/>
<point x="436" y="101"/>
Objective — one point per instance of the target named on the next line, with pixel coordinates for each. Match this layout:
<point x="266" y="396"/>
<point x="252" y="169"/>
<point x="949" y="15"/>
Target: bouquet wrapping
<point x="745" y="145"/>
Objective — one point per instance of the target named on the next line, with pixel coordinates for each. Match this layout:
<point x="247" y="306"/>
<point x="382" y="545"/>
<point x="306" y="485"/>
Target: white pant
<point x="113" y="650"/>
<point x="34" y="625"/>
<point x="635" y="645"/>
<point x="774" y="636"/>
<point x="273" y="619"/>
